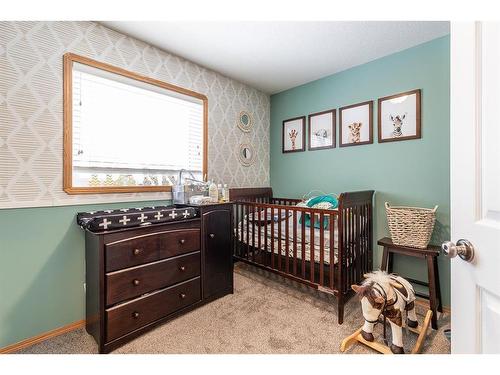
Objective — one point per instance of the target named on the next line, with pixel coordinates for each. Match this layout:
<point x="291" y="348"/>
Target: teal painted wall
<point x="414" y="172"/>
<point x="42" y="269"/>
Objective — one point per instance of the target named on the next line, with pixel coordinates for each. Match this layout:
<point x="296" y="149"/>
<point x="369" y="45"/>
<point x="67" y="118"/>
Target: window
<point x="125" y="132"/>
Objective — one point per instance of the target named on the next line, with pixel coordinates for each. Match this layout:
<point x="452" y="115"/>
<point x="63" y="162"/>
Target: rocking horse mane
<point x="378" y="277"/>
<point x="375" y="296"/>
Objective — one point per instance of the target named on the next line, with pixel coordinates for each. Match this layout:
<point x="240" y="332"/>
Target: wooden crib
<point x="273" y="233"/>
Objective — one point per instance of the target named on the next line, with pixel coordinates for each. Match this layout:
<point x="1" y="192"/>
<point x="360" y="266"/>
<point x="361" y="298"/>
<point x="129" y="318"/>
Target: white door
<point x="475" y="186"/>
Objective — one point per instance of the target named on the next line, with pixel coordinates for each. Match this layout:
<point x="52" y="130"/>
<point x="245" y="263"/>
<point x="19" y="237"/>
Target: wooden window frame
<point x="68" y="60"/>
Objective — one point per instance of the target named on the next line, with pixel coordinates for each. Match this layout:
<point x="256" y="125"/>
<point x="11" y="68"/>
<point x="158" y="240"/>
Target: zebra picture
<point x="397" y="122"/>
<point x="399" y="117"/>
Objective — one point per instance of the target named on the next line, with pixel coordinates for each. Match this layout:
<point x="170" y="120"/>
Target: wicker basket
<point x="411" y="226"/>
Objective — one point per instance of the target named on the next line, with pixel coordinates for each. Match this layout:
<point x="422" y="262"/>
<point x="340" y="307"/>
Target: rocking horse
<point x="388" y="295"/>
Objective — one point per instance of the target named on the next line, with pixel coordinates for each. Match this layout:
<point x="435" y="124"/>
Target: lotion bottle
<point x="213" y="192"/>
<point x="219" y="193"/>
<point x="225" y="194"/>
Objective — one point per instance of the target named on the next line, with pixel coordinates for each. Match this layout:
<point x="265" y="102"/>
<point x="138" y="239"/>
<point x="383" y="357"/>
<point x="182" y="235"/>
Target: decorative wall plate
<point x="246" y="154"/>
<point x="245" y="121"/>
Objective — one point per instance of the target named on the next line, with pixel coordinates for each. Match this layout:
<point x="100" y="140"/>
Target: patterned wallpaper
<point x="31" y="109"/>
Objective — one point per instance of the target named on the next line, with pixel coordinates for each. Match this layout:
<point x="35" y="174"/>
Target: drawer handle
<point x="136" y="282"/>
<point x="212" y="235"/>
<point x="182" y="241"/>
<point x="182" y="268"/>
<point x="182" y="295"/>
<point x="137" y="251"/>
<point x="135" y="315"/>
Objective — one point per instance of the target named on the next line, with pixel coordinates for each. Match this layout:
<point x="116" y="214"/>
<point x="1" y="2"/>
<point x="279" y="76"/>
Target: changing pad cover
<point x="98" y="221"/>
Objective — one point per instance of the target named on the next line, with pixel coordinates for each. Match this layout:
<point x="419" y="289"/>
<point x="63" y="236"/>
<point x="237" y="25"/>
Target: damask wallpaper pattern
<point x="31" y="110"/>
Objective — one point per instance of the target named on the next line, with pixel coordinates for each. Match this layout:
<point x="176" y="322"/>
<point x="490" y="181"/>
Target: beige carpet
<point x="266" y="314"/>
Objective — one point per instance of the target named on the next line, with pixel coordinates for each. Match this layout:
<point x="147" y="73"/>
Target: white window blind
<point x="130" y="127"/>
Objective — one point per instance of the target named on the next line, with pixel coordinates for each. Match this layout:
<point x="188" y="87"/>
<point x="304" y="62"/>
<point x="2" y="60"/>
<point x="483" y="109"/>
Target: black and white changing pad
<point x="98" y="221"/>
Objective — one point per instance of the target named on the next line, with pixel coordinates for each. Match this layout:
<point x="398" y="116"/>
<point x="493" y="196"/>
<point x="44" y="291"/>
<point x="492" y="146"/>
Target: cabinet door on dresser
<point x="218" y="252"/>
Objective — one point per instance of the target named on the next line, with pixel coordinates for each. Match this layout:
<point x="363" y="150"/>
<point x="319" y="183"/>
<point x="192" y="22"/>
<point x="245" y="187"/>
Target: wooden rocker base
<point x="421" y="330"/>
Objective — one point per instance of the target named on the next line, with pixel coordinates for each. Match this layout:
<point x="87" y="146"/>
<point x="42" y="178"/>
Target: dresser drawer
<point x="132" y="315"/>
<point x="132" y="282"/>
<point x="137" y="250"/>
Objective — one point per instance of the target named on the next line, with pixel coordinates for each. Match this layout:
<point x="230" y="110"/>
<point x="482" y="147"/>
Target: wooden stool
<point x="430" y="254"/>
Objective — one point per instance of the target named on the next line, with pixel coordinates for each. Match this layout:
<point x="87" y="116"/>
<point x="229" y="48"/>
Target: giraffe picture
<point x="294" y="134"/>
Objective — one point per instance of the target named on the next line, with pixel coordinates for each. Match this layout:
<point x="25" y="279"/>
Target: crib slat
<point x="238" y="234"/>
<point x="311" y="247"/>
<point x="353" y="246"/>
<point x="358" y="254"/>
<point x="349" y="226"/>
<point x="294" y="242"/>
<point x="361" y="244"/>
<point x="351" y="241"/>
<point x="348" y="247"/>
<point x="368" y="243"/>
<point x="254" y="212"/>
<point x="259" y="227"/>
<point x="234" y="226"/>
<point x="272" y="237"/>
<point x="355" y="256"/>
<point x="247" y="211"/>
<point x="279" y="239"/>
<point x="242" y="227"/>
<point x="345" y="249"/>
<point x="349" y="263"/>
<point x="321" y="248"/>
<point x="266" y="234"/>
<point x="366" y="236"/>
<point x="361" y="247"/>
<point x="240" y="224"/>
<point x="287" y="242"/>
<point x="370" y="236"/>
<point x="362" y="241"/>
<point x="332" y="247"/>
<point x="303" y="249"/>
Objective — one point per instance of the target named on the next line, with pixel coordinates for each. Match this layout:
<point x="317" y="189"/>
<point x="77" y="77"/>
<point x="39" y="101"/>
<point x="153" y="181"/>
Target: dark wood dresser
<point x="137" y="278"/>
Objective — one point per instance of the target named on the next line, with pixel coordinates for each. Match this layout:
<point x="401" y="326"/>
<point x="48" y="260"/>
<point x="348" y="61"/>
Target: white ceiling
<point x="275" y="56"/>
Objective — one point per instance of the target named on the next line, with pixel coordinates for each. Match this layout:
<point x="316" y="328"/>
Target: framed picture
<point x="322" y="130"/>
<point x="356" y="124"/>
<point x="399" y="117"/>
<point x="294" y="134"/>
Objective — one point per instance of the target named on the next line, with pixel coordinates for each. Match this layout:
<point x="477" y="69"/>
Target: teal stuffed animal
<point x="326" y="202"/>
